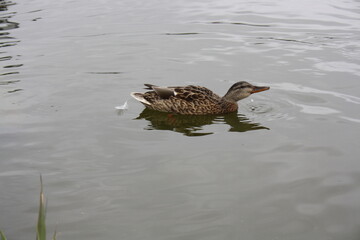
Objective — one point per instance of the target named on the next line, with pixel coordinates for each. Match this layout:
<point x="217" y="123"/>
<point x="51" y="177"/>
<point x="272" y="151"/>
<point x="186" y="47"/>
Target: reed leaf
<point x="41" y="225"/>
<point x="2" y="236"/>
<point x="54" y="236"/>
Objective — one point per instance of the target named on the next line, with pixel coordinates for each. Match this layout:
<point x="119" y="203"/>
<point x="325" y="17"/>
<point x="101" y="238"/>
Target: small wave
<point x="339" y="67"/>
<point x="259" y="107"/>
<point x="351" y="119"/>
<point x="315" y="109"/>
<point x="242" y="23"/>
<point x="302" y="89"/>
<point x="182" y="33"/>
<point x="266" y="111"/>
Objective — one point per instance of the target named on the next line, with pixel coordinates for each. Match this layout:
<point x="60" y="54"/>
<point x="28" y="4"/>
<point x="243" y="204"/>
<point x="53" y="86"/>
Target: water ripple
<point x="337" y="66"/>
<point x="8" y="60"/>
<point x="241" y="23"/>
<point x="302" y="89"/>
<point x="309" y="109"/>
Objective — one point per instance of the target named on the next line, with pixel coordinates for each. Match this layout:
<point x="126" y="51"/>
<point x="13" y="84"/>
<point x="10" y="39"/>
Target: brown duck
<point x="195" y="100"/>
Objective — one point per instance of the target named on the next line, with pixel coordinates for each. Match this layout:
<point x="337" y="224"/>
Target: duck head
<point x="241" y="90"/>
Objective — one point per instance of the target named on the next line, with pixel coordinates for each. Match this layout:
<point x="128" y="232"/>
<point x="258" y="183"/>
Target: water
<point x="284" y="167"/>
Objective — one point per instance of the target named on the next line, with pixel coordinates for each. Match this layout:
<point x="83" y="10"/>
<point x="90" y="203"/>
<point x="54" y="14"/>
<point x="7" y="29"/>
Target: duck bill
<point x="259" y="89"/>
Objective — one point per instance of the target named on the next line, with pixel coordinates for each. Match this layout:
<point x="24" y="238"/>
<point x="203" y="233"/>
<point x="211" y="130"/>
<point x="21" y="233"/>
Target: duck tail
<point x="140" y="98"/>
<point x="149" y="86"/>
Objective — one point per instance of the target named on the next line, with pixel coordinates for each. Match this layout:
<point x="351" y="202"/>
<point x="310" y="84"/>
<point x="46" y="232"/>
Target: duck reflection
<point x="193" y="125"/>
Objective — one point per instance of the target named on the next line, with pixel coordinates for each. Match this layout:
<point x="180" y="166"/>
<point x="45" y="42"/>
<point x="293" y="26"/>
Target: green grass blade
<point x="54" y="236"/>
<point x="41" y="226"/>
<point x="3" y="236"/>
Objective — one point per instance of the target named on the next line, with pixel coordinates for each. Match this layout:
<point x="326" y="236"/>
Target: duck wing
<point x="195" y="93"/>
<point x="187" y="93"/>
<point x="162" y="92"/>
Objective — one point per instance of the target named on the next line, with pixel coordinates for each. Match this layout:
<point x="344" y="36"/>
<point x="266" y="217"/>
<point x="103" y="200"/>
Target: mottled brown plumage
<point x="195" y="100"/>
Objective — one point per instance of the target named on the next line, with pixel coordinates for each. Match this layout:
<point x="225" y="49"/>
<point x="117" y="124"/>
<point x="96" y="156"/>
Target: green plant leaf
<point x="54" y="236"/>
<point x="3" y="236"/>
<point x="41" y="226"/>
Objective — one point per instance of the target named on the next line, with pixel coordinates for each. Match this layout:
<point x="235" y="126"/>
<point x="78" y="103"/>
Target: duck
<point x="195" y="100"/>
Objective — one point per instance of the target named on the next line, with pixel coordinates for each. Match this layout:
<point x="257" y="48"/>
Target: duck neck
<point x="229" y="106"/>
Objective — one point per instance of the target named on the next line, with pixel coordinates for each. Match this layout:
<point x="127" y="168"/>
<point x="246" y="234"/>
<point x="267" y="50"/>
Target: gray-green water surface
<point x="286" y="166"/>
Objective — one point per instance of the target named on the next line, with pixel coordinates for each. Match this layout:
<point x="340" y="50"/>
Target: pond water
<point x="286" y="166"/>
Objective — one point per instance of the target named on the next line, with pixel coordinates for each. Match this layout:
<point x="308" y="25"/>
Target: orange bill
<point x="257" y="89"/>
